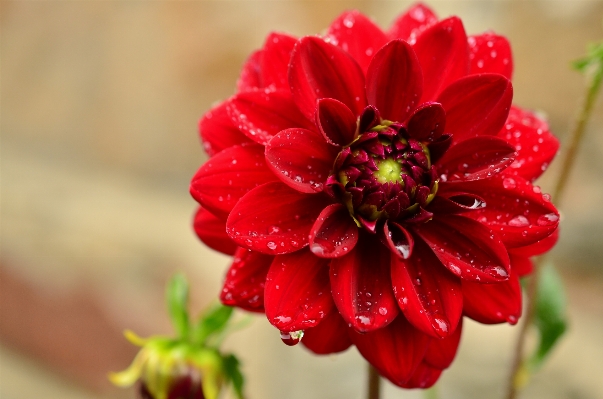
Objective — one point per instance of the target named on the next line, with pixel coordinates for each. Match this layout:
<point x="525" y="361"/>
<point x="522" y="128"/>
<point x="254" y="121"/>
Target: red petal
<point x="394" y="82"/>
<point x="443" y="53"/>
<point x="476" y="158"/>
<point x="262" y="114"/>
<point x="493" y="303"/>
<point x="537" y="248"/>
<point x="335" y="121"/>
<point x="515" y="210"/>
<point x="212" y="231"/>
<point x="245" y="280"/>
<point x="229" y="175"/>
<point x="455" y="203"/>
<point x="428" y="294"/>
<point x="521" y="265"/>
<point x="467" y="248"/>
<point x="427" y="122"/>
<point x="535" y="145"/>
<point x="490" y="53"/>
<point x="334" y="233"/>
<point x="330" y="336"/>
<point x="476" y="105"/>
<point x="274" y="218"/>
<point x="414" y="21"/>
<point x="398" y="240"/>
<point x="301" y="159"/>
<point x="423" y="377"/>
<point x="361" y="286"/>
<point x="395" y="350"/>
<point x="298" y="294"/>
<point x="441" y="352"/>
<point x="218" y="132"/>
<point x="322" y="70"/>
<point x="358" y="35"/>
<point x="275" y="59"/>
<point x="251" y="74"/>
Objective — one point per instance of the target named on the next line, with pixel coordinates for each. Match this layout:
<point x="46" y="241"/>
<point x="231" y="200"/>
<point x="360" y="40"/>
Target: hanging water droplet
<point x="292" y="338"/>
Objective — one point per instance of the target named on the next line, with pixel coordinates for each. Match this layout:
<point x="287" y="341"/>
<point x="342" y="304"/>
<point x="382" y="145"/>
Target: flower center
<point x="384" y="174"/>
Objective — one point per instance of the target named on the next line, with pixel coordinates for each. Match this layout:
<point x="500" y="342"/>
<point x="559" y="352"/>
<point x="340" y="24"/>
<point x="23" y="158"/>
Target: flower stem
<point x="431" y="393"/>
<point x="519" y="374"/>
<point x="374" y="383"/>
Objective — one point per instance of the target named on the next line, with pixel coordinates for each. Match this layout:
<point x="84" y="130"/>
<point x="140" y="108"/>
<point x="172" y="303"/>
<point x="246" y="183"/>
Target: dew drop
<point x="518" y="221"/>
<point x="382" y="311"/>
<point x="509" y="183"/>
<point x="271" y="245"/>
<point x="292" y="338"/>
<point x="547" y="220"/>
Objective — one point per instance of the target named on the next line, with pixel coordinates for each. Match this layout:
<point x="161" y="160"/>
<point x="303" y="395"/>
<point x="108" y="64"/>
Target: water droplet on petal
<point x="509" y="183"/>
<point x="519" y="221"/>
<point x="292" y="338"/>
<point x="548" y="219"/>
<point x="271" y="245"/>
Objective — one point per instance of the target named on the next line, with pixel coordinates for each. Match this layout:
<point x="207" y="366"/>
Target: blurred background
<point x="99" y="103"/>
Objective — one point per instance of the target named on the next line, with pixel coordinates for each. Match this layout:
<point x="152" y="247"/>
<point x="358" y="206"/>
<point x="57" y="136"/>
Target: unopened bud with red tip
<point x="189" y="366"/>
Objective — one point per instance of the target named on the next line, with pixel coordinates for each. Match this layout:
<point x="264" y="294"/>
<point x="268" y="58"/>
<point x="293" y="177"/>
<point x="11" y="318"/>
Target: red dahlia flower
<point x="375" y="187"/>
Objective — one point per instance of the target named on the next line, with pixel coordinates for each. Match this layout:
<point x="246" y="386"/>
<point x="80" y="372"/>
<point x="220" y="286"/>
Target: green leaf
<point x="177" y="301"/>
<point x="232" y="369"/>
<point x="211" y="322"/>
<point x="550" y="316"/>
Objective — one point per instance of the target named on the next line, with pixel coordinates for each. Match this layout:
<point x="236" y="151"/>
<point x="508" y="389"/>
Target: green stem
<point x="519" y="375"/>
<point x="374" y="383"/>
<point x="431" y="393"/>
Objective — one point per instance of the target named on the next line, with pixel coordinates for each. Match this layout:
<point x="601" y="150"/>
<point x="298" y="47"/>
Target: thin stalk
<point x="431" y="393"/>
<point x="374" y="383"/>
<point x="518" y="377"/>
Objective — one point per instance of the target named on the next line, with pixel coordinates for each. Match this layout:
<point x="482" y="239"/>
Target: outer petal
<point x="468" y="249"/>
<point x="396" y="350"/>
<point x="362" y="287"/>
<point x="321" y="70"/>
<point x="490" y="53"/>
<point x="301" y="159"/>
<point x="476" y="158"/>
<point x="521" y="265"/>
<point x="414" y="21"/>
<point x="229" y="175"/>
<point x="334" y="233"/>
<point x="245" y="280"/>
<point x="476" y="105"/>
<point x="423" y="377"/>
<point x="493" y="303"/>
<point x="428" y="294"/>
<point x="537" y="248"/>
<point x="394" y="82"/>
<point x="517" y="211"/>
<point x="261" y="114"/>
<point x="330" y="336"/>
<point x="250" y="77"/>
<point x="335" y="121"/>
<point x="212" y="231"/>
<point x="274" y="63"/>
<point x="298" y="294"/>
<point x="218" y="132"/>
<point x="441" y="352"/>
<point x="443" y="53"/>
<point x="357" y="35"/>
<point x="535" y="145"/>
<point x="274" y="219"/>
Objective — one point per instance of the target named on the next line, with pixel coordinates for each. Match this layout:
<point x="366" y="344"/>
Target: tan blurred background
<point x="99" y="102"/>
